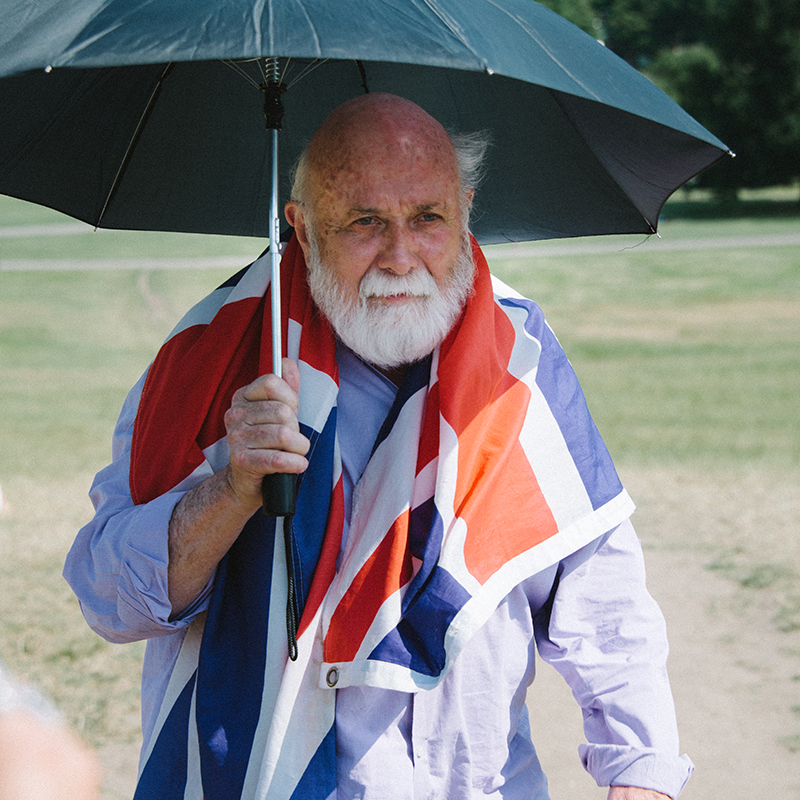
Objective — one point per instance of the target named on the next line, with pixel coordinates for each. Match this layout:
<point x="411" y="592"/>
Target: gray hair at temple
<point x="470" y="150"/>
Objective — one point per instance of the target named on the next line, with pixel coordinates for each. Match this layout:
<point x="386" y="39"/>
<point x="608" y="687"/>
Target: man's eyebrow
<point x="368" y="211"/>
<point x="363" y="210"/>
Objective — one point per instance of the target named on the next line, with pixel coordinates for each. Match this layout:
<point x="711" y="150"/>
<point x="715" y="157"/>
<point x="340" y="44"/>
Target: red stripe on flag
<point x="191" y="383"/>
<point x="483" y="339"/>
<point x="326" y="566"/>
<point x="187" y="391"/>
<point x="429" y="435"/>
<point x="296" y="297"/>
<point x="497" y="494"/>
<point x="386" y="571"/>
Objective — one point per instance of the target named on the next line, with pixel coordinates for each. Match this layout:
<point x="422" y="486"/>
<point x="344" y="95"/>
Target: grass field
<point x="690" y="360"/>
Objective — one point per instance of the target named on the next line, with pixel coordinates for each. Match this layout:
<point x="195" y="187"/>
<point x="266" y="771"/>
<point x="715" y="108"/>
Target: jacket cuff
<point x="620" y="765"/>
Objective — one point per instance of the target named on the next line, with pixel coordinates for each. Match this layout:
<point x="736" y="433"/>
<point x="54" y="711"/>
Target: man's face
<point x="391" y="213"/>
<point x="384" y="234"/>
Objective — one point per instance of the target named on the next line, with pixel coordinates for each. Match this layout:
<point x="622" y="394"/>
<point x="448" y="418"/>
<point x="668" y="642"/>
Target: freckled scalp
<point x="378" y="131"/>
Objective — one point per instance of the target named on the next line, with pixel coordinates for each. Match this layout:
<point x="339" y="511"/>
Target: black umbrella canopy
<point x="147" y="121"/>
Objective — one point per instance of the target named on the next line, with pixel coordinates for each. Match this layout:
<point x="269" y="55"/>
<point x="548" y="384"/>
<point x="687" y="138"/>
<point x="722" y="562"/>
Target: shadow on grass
<point x="695" y="203"/>
<point x="722" y="208"/>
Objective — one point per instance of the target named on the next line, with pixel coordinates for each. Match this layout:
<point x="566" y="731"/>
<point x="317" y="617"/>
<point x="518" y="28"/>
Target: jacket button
<point x="332" y="678"/>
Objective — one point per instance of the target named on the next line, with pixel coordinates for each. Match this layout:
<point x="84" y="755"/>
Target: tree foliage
<point x="734" y="65"/>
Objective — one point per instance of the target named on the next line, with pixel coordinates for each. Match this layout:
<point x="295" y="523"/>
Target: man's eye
<point x="365" y="221"/>
<point x="430" y="217"/>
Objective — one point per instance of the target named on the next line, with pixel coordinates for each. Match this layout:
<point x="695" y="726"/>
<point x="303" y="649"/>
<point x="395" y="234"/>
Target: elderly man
<point x="456" y="509"/>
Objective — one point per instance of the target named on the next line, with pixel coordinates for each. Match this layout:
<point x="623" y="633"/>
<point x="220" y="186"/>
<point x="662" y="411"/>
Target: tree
<point x="578" y="12"/>
<point x="742" y="81"/>
<point x="734" y="65"/>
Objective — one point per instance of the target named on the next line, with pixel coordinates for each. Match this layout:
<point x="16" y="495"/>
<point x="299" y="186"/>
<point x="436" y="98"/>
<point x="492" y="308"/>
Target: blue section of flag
<point x="431" y="601"/>
<point x="418" y="640"/>
<point x="416" y="378"/>
<point x="425" y="535"/>
<point x="559" y="385"/>
<point x="318" y="782"/>
<point x="164" y="775"/>
<point x="232" y="660"/>
<point x="313" y="506"/>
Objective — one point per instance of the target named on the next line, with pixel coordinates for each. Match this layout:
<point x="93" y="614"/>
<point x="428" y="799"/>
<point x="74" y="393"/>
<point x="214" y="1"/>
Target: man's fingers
<point x="261" y="412"/>
<point x="263" y="432"/>
<point x="267" y="436"/>
<point x="255" y="463"/>
<point x="271" y="387"/>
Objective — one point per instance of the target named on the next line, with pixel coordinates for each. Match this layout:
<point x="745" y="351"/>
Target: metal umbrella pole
<point x="277" y="490"/>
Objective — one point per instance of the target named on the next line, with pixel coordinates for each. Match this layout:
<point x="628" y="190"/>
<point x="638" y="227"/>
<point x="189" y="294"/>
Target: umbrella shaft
<point x="277" y="490"/>
<point x="274" y="248"/>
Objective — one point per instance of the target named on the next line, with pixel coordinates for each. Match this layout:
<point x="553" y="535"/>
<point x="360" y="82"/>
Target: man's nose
<point x="397" y="253"/>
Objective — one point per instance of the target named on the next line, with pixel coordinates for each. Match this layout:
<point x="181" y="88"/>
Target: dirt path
<point x="734" y="685"/>
<point x="735" y="674"/>
<point x="526" y="250"/>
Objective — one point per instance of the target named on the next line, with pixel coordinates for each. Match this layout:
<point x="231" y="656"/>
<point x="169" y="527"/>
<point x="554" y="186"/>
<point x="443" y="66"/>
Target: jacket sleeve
<point x="606" y="636"/>
<point x="117" y="565"/>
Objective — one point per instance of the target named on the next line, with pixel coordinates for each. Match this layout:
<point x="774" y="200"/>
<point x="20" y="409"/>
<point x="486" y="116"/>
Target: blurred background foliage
<point x="734" y="65"/>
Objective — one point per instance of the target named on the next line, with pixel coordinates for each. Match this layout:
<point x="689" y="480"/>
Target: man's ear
<point x="293" y="213"/>
<point x="295" y="216"/>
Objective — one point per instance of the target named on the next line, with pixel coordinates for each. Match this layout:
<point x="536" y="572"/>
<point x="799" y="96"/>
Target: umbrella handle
<point x="278" y="494"/>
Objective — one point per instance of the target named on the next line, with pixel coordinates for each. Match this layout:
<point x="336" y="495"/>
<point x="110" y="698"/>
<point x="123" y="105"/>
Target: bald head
<point x="382" y="133"/>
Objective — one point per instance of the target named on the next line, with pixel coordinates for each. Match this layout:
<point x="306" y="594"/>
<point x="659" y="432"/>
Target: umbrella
<point x="147" y="114"/>
<point x="143" y="120"/>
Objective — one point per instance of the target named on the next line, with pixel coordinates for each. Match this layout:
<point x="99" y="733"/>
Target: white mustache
<point x="377" y="283"/>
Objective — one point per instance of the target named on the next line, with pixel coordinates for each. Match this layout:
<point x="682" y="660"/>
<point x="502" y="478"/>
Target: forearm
<point x="204" y="525"/>
<point x="140" y="571"/>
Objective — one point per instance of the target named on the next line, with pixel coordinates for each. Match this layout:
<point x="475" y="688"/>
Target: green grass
<point x="684" y="355"/>
<point x="96" y="244"/>
<point x="688" y="356"/>
<point x="71" y="345"/>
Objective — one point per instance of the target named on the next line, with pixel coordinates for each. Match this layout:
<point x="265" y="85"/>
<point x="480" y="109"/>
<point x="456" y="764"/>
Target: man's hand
<point x="263" y="433"/>
<point x="634" y="793"/>
<point x="263" y="437"/>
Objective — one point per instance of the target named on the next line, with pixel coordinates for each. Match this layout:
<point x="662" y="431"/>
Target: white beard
<point x="388" y="334"/>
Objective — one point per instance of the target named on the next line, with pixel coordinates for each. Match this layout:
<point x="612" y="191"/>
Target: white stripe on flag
<point x="302" y="717"/>
<point x="184" y="668"/>
<point x="274" y="663"/>
<point x="194" y="780"/>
